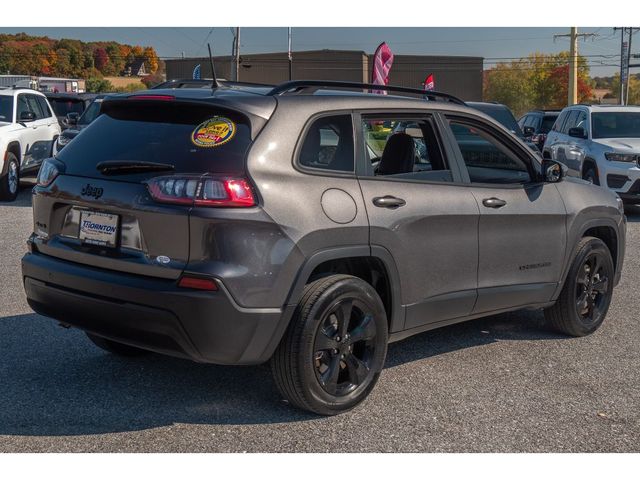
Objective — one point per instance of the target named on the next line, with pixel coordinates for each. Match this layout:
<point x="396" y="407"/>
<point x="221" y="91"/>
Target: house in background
<point x="137" y="68"/>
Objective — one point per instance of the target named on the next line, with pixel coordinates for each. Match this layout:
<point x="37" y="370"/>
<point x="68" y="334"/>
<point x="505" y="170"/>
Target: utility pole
<point x="573" y="62"/>
<point x="623" y="67"/>
<point x="573" y="67"/>
<point x="626" y="93"/>
<point x="235" y="55"/>
<point x="237" y="73"/>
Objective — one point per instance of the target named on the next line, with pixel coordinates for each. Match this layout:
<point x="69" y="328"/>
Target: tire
<point x="586" y="295"/>
<point x="312" y="347"/>
<point x="590" y="174"/>
<point x="10" y="181"/>
<point x="115" y="347"/>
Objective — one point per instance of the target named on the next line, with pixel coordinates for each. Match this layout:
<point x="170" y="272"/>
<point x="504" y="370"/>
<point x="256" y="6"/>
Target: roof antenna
<point x="214" y="83"/>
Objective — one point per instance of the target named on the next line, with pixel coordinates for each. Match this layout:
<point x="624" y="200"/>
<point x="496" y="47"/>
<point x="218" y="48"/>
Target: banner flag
<point x="382" y="61"/>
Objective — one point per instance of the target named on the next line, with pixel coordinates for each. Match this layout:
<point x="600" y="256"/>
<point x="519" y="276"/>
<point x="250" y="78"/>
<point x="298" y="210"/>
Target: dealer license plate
<point x="98" y="228"/>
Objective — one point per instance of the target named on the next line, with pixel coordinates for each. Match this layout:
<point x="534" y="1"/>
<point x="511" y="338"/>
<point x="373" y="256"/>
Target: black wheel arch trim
<point x="593" y="223"/>
<point x="396" y="322"/>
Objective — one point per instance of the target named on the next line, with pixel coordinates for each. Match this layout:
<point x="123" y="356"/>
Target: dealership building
<point x="457" y="75"/>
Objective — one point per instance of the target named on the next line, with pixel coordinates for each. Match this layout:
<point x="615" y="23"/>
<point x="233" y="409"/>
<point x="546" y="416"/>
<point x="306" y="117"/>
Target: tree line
<point x="539" y="81"/>
<point x="23" y="54"/>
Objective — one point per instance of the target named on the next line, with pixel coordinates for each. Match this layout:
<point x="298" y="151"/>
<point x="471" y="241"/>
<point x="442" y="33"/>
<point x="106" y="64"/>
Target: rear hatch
<point x="129" y="180"/>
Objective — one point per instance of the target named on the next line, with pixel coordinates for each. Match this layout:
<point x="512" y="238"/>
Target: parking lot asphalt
<point x="500" y="384"/>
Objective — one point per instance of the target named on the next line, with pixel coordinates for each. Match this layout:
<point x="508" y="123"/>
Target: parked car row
<point x="598" y="143"/>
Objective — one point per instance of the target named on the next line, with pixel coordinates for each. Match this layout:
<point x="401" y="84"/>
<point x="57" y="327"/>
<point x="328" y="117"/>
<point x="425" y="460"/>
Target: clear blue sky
<point x="495" y="44"/>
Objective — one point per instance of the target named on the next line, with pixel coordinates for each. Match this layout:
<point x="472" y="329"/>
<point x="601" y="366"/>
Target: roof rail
<point x="310" y="86"/>
<point x="204" y="83"/>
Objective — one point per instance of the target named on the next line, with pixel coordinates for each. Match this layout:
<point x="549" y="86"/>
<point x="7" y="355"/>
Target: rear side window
<point x="193" y="138"/>
<point x="328" y="144"/>
<point x="404" y="148"/>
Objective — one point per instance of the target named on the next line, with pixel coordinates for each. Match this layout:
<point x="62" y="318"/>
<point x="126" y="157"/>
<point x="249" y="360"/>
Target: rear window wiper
<point x="123" y="167"/>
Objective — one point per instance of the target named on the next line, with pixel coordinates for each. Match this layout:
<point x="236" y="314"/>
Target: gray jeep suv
<point x="309" y="224"/>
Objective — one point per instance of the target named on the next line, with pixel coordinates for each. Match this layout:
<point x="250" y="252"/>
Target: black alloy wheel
<point x="334" y="348"/>
<point x="345" y="347"/>
<point x="587" y="292"/>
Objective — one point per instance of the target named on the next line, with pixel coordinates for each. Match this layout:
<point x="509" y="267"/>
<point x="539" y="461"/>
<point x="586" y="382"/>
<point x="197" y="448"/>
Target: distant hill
<point x="23" y="54"/>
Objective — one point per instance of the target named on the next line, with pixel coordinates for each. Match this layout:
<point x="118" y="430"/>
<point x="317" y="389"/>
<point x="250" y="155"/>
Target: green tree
<point x="99" y="85"/>
<point x="634" y="89"/>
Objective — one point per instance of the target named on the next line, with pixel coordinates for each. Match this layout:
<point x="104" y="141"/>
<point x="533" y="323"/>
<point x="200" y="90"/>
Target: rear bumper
<point x="151" y="313"/>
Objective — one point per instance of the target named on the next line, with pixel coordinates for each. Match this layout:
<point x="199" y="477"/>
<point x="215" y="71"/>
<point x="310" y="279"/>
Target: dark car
<point x="69" y="106"/>
<point x="76" y="125"/>
<point x="503" y="115"/>
<point x="537" y="124"/>
<point x="240" y="225"/>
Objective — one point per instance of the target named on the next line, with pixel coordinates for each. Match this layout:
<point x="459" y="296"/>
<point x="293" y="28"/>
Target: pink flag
<point x="429" y="83"/>
<point x="382" y="61"/>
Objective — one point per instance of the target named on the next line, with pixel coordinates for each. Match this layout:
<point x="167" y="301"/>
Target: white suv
<point x="601" y="144"/>
<point x="28" y="128"/>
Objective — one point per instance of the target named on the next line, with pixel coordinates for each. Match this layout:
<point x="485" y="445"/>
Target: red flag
<point x="429" y="83"/>
<point x="382" y="61"/>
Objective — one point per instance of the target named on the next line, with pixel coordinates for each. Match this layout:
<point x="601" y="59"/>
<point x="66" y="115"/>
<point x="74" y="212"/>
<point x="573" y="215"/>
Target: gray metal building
<point x="460" y="76"/>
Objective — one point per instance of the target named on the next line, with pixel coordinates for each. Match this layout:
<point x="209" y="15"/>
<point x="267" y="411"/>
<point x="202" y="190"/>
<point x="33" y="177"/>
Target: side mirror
<point x="528" y="131"/>
<point x="577" y="132"/>
<point x="553" y="171"/>
<point x="27" y="116"/>
<point x="72" y="118"/>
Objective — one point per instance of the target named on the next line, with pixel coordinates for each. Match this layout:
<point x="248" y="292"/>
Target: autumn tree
<point x="537" y="81"/>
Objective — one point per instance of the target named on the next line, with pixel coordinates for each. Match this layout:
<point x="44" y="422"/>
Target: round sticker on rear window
<point x="213" y="132"/>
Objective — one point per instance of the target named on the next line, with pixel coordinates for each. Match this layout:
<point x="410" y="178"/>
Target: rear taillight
<point x="48" y="172"/>
<point x="204" y="191"/>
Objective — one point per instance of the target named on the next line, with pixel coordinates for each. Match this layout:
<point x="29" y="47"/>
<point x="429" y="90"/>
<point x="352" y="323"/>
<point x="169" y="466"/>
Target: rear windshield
<point x="62" y="106"/>
<point x="547" y="123"/>
<point x="6" y="109"/>
<point x="194" y="139"/>
<point x="616" y="125"/>
<point x="503" y="115"/>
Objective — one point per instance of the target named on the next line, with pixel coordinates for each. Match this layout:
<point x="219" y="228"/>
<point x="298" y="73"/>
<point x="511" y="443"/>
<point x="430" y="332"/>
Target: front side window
<point x="559" y="123"/>
<point x="34" y="106"/>
<point x="487" y="159"/>
<point x="404" y="148"/>
<point x="328" y="144"/>
<point x="90" y="114"/>
<point x="615" y="125"/>
<point x="44" y="107"/>
<point x="572" y="119"/>
<point x="22" y="106"/>
<point x="6" y="108"/>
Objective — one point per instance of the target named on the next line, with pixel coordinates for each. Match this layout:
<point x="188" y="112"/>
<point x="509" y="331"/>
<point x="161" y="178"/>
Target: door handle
<point x="493" y="202"/>
<point x="389" y="201"/>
